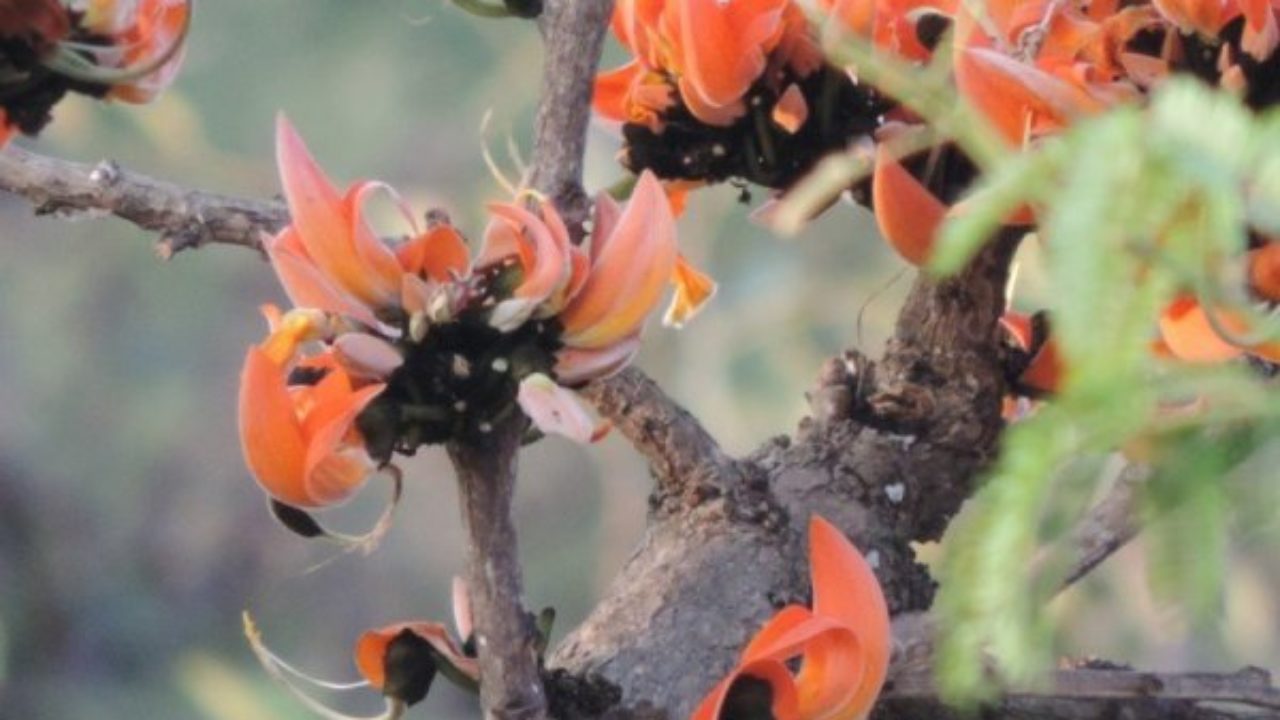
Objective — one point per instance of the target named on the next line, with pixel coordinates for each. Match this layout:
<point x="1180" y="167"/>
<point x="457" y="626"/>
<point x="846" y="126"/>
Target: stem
<point x="510" y="685"/>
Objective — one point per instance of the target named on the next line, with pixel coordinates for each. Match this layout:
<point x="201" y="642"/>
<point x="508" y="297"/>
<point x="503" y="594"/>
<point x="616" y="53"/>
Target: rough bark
<point x="506" y="637"/>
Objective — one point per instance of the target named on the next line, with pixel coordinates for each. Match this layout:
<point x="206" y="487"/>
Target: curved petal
<point x="378" y="259"/>
<point x="721" y="50"/>
<point x="765" y="642"/>
<point x="1011" y="94"/>
<point x="846" y="589"/>
<point x="553" y="409"/>
<point x="629" y="275"/>
<point x="367" y="356"/>
<point x="270" y="436"/>
<point x="906" y="212"/>
<point x="440" y="253"/>
<point x="324" y="222"/>
<point x="1189" y="337"/>
<point x="333" y="473"/>
<point x="550" y="267"/>
<point x="575" y="367"/>
<point x="305" y="284"/>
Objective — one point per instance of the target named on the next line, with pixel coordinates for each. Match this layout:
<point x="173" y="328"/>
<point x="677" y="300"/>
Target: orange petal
<point x="1189" y="337"/>
<point x="791" y="111"/>
<point x="630" y="274"/>
<point x="784" y="699"/>
<point x="907" y="213"/>
<point x="440" y="253"/>
<point x="765" y="642"/>
<point x="694" y="289"/>
<point x="334" y="473"/>
<point x="1010" y="93"/>
<point x="720" y="48"/>
<point x="270" y="436"/>
<point x="612" y="94"/>
<point x="7" y="131"/>
<point x="1196" y="16"/>
<point x="1046" y="370"/>
<point x="1264" y="271"/>
<point x="324" y="222"/>
<point x="846" y="589"/>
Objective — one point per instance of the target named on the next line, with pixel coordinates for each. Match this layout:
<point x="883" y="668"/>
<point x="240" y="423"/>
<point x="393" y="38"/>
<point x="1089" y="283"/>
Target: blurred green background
<point x="131" y="536"/>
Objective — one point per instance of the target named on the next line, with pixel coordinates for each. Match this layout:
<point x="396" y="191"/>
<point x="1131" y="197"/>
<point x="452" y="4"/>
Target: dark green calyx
<point x="410" y="667"/>
<point x="457" y="382"/>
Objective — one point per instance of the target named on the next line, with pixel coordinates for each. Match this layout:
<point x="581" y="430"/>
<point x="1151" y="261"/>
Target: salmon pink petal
<point x="694" y="289"/>
<point x="846" y="589"/>
<point x="605" y="219"/>
<point x="629" y="275"/>
<point x="1261" y="34"/>
<point x="784" y="700"/>
<point x="907" y="213"/>
<point x="462" y="616"/>
<point x="575" y="367"/>
<point x="270" y="436"/>
<point x="550" y="267"/>
<point x="323" y="220"/>
<point x="366" y="356"/>
<point x="553" y="409"/>
<point x="305" y="284"/>
<point x="379" y="260"/>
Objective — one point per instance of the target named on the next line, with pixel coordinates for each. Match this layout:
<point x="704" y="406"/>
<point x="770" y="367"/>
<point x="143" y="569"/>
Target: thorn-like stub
<point x="106" y="173"/>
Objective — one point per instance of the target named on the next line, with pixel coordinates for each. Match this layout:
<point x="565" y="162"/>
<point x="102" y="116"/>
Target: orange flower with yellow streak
<point x="842" y="644"/>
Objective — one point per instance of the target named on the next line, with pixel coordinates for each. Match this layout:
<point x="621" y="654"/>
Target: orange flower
<point x="907" y="213"/>
<point x="1264" y="271"/>
<point x="149" y="34"/>
<point x="843" y="644"/>
<point x="402" y="660"/>
<point x="1188" y="334"/>
<point x="299" y="440"/>
<point x="708" y="52"/>
<point x="457" y="341"/>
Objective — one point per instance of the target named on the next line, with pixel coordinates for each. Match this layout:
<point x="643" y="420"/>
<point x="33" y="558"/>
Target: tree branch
<point x="1108" y="526"/>
<point x="506" y="639"/>
<point x="183" y="218"/>
<point x="573" y="34"/>
<point x="1092" y="692"/>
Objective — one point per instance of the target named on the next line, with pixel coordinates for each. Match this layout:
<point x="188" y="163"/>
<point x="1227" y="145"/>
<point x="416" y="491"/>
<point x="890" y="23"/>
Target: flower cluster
<point x="393" y="346"/>
<point x="842" y="645"/>
<point x="126" y="50"/>
<point x="728" y="89"/>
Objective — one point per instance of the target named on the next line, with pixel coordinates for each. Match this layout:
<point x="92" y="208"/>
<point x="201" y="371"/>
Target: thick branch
<point x="505" y="636"/>
<point x="183" y="218"/>
<point x="688" y="464"/>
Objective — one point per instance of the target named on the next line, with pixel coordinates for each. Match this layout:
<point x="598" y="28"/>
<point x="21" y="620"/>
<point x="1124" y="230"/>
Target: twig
<point x="1108" y="526"/>
<point x="1250" y="686"/>
<point x="183" y="218"/>
<point x="510" y="688"/>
